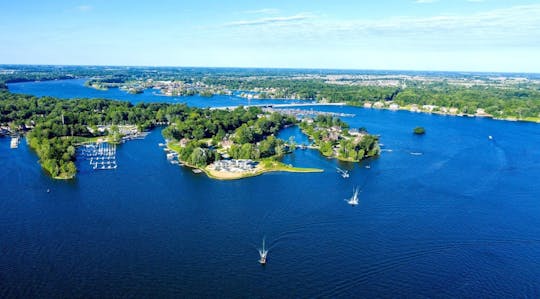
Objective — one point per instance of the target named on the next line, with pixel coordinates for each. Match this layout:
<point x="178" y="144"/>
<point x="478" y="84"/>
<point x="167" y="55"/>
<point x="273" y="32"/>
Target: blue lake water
<point x="459" y="217"/>
<point x="75" y="88"/>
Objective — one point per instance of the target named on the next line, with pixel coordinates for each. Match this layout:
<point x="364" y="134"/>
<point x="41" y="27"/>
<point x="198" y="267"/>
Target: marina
<point x="300" y="113"/>
<point x="100" y="156"/>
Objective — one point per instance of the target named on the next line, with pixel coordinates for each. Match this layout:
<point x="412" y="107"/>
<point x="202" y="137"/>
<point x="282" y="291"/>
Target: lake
<point x="75" y="88"/>
<point x="448" y="214"/>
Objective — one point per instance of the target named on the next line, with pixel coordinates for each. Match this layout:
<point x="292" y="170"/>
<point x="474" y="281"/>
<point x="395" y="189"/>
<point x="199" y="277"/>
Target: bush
<point x="419" y="130"/>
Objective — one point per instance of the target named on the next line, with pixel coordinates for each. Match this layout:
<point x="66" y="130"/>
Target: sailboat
<point x="353" y="201"/>
<point x="343" y="173"/>
<point x="262" y="253"/>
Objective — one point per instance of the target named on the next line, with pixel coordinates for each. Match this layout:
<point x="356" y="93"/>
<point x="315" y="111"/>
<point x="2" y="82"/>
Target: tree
<point x="419" y="131"/>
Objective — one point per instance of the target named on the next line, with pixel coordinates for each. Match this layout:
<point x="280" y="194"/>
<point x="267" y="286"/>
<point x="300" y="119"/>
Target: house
<point x="378" y="105"/>
<point x="429" y="108"/>
<point x="226" y="144"/>
<point x="234" y="165"/>
<point x="183" y="142"/>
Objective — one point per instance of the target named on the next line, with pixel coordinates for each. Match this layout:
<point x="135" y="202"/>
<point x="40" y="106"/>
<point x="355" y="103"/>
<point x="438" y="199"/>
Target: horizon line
<point x="273" y="68"/>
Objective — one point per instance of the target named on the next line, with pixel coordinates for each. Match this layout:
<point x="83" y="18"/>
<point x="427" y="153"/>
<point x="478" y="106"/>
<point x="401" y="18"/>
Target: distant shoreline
<point x="361" y="105"/>
<point x="409" y="109"/>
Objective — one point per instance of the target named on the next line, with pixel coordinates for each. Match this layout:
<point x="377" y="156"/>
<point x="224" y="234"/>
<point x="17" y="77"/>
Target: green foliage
<point x="56" y="124"/>
<point x="332" y="137"/>
<point x="419" y="130"/>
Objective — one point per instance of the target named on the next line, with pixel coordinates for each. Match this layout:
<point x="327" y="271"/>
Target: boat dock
<point x="101" y="156"/>
<point x="14" y="142"/>
<point x="304" y="112"/>
<point x="280" y="105"/>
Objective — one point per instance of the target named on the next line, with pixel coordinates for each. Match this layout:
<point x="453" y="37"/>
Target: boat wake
<point x="263" y="252"/>
<point x="353" y="201"/>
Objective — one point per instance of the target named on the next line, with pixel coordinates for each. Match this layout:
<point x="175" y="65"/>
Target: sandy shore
<point x="260" y="169"/>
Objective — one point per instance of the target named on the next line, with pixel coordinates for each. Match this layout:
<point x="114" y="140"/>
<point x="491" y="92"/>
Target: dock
<point x="14" y="142"/>
<point x="299" y="113"/>
<point x="280" y="105"/>
<point x="101" y="156"/>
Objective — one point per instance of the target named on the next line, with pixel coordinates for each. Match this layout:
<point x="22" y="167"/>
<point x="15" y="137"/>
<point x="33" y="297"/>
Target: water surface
<point x="460" y="217"/>
<point x="74" y="88"/>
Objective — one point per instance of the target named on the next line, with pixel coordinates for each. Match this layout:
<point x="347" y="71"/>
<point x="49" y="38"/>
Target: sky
<point x="444" y="35"/>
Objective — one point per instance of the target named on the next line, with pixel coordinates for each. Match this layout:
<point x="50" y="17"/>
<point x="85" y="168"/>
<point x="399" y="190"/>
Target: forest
<point x="55" y="127"/>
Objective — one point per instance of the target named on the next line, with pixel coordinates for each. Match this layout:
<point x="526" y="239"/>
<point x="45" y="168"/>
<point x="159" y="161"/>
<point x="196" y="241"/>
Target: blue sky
<point x="460" y="35"/>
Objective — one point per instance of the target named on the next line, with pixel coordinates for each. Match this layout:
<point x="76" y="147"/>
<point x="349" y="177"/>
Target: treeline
<point x="520" y="101"/>
<point x="25" y="111"/>
<point x="500" y="102"/>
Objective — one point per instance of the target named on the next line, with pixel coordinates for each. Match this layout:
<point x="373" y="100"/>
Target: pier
<point x="280" y="105"/>
<point x="14" y="142"/>
<point x="298" y="112"/>
<point x="301" y="112"/>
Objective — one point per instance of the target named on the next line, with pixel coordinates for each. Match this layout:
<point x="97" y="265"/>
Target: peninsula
<point x="231" y="144"/>
<point x="201" y="137"/>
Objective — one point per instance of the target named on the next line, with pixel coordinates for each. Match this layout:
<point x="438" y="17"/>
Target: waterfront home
<point x="226" y="144"/>
<point x="429" y="108"/>
<point x="378" y="105"/>
<point x="308" y="120"/>
<point x="183" y="142"/>
<point x="234" y="165"/>
<point x="481" y="112"/>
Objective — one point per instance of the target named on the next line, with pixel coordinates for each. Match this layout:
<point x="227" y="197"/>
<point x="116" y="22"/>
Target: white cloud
<point x="513" y="27"/>
<point x="84" y="8"/>
<point x="262" y="11"/>
<point x="424" y="1"/>
<point x="271" y="20"/>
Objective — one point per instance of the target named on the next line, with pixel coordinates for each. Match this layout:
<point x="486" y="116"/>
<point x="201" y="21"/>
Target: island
<point x="419" y="131"/>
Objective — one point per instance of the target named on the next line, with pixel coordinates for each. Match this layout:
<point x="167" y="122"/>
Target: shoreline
<point x="259" y="170"/>
<point x="405" y="108"/>
<point x="264" y="166"/>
